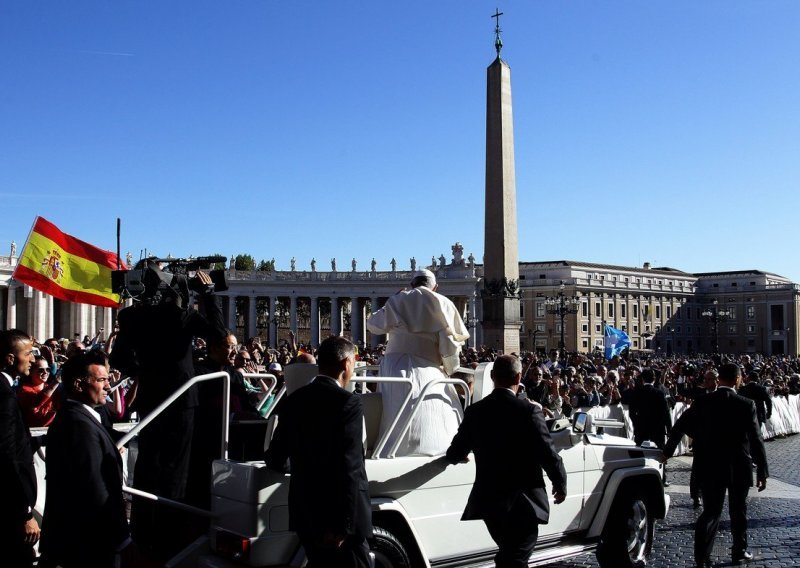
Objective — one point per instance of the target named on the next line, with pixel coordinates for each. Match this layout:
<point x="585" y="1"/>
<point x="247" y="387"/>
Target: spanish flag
<point x="67" y="268"/>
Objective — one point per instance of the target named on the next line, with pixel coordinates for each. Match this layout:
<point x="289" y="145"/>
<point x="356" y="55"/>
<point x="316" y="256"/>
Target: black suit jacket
<point x="320" y="431"/>
<point x="512" y="445"/>
<point x="155" y="344"/>
<point x="760" y="396"/>
<point x="727" y="438"/>
<point x="650" y="414"/>
<point x="84" y="516"/>
<point x="17" y="475"/>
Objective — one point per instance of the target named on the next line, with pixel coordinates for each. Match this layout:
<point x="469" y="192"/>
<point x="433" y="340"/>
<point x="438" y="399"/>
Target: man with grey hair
<point x="425" y="334"/>
<point x="512" y="446"/>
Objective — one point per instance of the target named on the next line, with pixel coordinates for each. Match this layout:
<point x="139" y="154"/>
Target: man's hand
<point x="558" y="496"/>
<point x="32" y="532"/>
<point x="203" y="277"/>
<point x="761" y="484"/>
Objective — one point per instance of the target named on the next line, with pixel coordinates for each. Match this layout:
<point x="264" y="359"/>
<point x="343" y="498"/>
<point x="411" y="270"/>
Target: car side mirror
<point x="579" y="421"/>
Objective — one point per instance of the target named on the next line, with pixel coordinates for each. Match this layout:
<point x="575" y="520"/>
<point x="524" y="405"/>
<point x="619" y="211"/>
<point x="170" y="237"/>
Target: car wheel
<point x="388" y="550"/>
<point x="628" y="534"/>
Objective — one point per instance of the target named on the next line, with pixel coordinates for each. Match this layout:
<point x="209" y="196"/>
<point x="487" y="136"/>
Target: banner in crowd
<point x="67" y="268"/>
<point x="615" y="341"/>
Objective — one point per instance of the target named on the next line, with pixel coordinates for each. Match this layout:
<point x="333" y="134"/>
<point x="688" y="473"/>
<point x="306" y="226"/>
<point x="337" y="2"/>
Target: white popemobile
<point x="615" y="494"/>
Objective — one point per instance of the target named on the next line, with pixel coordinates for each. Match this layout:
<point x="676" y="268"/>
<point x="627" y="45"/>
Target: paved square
<point x="774" y="515"/>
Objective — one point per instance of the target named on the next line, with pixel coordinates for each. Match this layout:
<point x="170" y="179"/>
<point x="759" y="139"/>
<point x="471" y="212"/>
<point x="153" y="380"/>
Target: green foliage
<point x="266" y="265"/>
<point x="245" y="262"/>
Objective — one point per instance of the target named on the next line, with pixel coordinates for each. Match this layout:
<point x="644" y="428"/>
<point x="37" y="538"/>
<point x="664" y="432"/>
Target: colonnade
<point x="267" y="323"/>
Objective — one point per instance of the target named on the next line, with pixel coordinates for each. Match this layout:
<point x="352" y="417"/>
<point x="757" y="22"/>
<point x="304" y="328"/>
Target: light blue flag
<point x="615" y="341"/>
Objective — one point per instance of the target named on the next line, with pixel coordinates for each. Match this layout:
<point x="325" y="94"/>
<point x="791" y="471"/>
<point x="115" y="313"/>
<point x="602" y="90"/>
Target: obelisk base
<point x="501" y="323"/>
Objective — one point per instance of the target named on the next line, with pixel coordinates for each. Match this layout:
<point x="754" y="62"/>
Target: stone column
<point x="38" y="316"/>
<point x="108" y="321"/>
<point x="11" y="307"/>
<point x="374" y="339"/>
<point x="314" y="322"/>
<point x="336" y="316"/>
<point x="273" y="326"/>
<point x="252" y="316"/>
<point x="356" y="320"/>
<point x="293" y="314"/>
<point x="232" y="312"/>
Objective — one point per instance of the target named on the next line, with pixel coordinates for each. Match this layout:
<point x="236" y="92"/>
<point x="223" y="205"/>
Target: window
<point x="658" y="328"/>
<point x="585" y="343"/>
<point x="669" y="312"/>
<point x="734" y="285"/>
<point x="627" y="280"/>
<point x="522" y="310"/>
<point x="677" y="312"/>
<point x="585" y="328"/>
<point x="597" y="328"/>
<point x="539" y="309"/>
<point x="623" y="309"/>
<point x="646" y="310"/>
<point x="558" y="328"/>
<point x="540" y="327"/>
<point x="598" y="310"/>
<point x="635" y="328"/>
<point x="635" y="311"/>
<point x="752" y="283"/>
<point x="658" y="312"/>
<point x="750" y="312"/>
<point x="636" y="343"/>
<point x="611" y="309"/>
<point x="542" y="276"/>
<point x="585" y="309"/>
<point x="688" y="329"/>
<point x="732" y="313"/>
<point x="751" y="342"/>
<point x="751" y="329"/>
<point x="715" y="285"/>
<point x="624" y="327"/>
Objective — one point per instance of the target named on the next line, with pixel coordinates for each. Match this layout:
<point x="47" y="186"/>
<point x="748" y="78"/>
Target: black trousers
<point x="515" y="536"/>
<point x="706" y="528"/>
<point x="354" y="552"/>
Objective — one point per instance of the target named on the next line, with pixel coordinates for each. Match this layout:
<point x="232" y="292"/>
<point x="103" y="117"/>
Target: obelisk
<point x="500" y="293"/>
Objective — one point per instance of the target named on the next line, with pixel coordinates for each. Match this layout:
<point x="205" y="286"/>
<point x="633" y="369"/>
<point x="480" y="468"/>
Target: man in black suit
<point x="758" y="394"/>
<point x="84" y="475"/>
<point x="320" y="431"/>
<point x="727" y="441"/>
<point x="650" y="413"/>
<point x="154" y="344"/>
<point x="19" y="531"/>
<point x="512" y="445"/>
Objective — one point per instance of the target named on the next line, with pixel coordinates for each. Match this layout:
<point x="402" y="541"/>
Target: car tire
<point x="628" y="534"/>
<point x="388" y="550"/>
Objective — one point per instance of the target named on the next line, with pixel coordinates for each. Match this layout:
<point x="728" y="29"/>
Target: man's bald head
<point x="507" y="371"/>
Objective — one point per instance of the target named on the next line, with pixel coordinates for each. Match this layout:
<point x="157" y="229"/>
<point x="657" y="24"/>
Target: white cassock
<point x="425" y="334"/>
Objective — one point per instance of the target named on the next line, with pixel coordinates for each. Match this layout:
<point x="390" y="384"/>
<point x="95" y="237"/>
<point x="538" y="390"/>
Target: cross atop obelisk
<point x="500" y="292"/>
<point x="498" y="42"/>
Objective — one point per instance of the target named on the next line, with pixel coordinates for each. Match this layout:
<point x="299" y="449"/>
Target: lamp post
<point x="714" y="315"/>
<point x="561" y="306"/>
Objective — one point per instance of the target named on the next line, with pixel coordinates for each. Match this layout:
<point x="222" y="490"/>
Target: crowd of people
<point x="96" y="380"/>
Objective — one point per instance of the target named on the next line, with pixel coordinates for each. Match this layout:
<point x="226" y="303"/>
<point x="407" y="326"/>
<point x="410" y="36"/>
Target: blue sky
<point x="660" y="131"/>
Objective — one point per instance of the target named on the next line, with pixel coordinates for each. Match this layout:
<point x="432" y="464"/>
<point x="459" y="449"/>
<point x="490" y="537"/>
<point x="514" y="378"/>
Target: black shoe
<point x="696" y="503"/>
<point x="742" y="556"/>
<point x="704" y="563"/>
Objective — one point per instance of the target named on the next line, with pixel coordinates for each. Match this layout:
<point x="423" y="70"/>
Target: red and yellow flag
<point x="67" y="268"/>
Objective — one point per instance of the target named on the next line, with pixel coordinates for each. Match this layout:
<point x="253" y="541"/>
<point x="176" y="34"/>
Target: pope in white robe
<point x="425" y="334"/>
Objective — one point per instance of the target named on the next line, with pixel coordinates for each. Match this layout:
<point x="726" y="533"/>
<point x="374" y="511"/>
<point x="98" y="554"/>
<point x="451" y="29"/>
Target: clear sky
<point x="661" y="131"/>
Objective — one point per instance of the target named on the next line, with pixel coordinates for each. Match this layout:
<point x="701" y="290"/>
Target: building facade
<point x="662" y="309"/>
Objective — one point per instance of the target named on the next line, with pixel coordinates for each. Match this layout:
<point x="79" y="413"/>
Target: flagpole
<point x="22" y="253"/>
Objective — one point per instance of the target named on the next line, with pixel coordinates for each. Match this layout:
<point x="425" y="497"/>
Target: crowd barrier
<point x="785" y="419"/>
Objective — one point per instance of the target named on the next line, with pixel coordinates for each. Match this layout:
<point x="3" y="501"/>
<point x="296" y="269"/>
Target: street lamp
<point x="561" y="306"/>
<point x="279" y="316"/>
<point x="714" y="315"/>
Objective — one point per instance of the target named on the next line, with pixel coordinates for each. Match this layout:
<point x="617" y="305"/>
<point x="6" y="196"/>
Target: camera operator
<point x="154" y="344"/>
